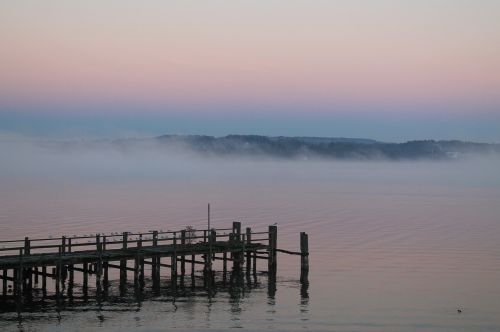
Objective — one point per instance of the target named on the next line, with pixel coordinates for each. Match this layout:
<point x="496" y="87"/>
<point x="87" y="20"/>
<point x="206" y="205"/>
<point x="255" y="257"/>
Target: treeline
<point x="321" y="147"/>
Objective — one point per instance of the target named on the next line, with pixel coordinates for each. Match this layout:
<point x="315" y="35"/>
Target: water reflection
<point x="304" y="294"/>
<point x="114" y="296"/>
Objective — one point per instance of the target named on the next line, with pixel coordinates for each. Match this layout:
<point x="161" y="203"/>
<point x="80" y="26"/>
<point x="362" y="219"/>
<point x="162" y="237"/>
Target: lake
<point x="394" y="246"/>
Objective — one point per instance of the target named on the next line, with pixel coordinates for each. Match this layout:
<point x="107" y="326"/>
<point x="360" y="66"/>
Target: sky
<point x="392" y="70"/>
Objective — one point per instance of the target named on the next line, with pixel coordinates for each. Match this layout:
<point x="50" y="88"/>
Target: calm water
<point x="394" y="246"/>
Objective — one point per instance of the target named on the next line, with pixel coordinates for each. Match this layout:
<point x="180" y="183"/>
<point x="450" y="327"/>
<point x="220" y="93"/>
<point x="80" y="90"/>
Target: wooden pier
<point x="25" y="265"/>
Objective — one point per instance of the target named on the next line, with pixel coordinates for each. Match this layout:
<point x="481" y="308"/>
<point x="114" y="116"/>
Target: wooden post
<point x="224" y="267"/>
<point x="136" y="271"/>
<point x="304" y="257"/>
<point x="35" y="271"/>
<point x="85" y="272"/>
<point x="254" y="264"/>
<point x="183" y="258"/>
<point x="28" y="276"/>
<point x="70" y="266"/>
<point x="193" y="281"/>
<point x="173" y="268"/>
<point x="155" y="267"/>
<point x="4" y="283"/>
<point x="44" y="281"/>
<point x="58" y="275"/>
<point x="236" y="256"/>
<point x="123" y="262"/>
<point x="237" y="230"/>
<point x="141" y="262"/>
<point x="105" y="264"/>
<point x="273" y="236"/>
<point x="211" y="279"/>
<point x="248" y="252"/>
<point x="20" y="274"/>
<point x="63" y="244"/>
<point x="99" y="264"/>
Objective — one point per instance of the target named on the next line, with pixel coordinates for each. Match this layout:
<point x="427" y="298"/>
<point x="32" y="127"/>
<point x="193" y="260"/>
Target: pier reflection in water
<point x="117" y="299"/>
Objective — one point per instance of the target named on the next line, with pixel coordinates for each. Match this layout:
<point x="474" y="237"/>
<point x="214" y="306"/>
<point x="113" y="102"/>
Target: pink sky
<point x="242" y="52"/>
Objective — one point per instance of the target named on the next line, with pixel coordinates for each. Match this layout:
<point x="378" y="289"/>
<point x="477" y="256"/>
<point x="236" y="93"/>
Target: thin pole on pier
<point x="207" y="270"/>
<point x="213" y="239"/>
<point x="209" y="241"/>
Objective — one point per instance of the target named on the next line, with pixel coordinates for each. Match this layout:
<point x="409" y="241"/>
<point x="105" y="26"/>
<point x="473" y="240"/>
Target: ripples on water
<point x="394" y="246"/>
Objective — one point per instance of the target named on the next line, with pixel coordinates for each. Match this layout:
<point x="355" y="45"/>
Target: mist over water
<point x="395" y="246"/>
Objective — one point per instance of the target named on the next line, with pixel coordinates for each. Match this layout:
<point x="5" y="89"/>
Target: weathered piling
<point x="273" y="239"/>
<point x="248" y="252"/>
<point x="304" y="257"/>
<point x="27" y="276"/>
<point x="173" y="260"/>
<point x="4" y="283"/>
<point x="224" y="267"/>
<point x="155" y="260"/>
<point x="20" y="275"/>
<point x="183" y="257"/>
<point x="236" y="256"/>
<point x="85" y="286"/>
<point x="58" y="275"/>
<point x="141" y="261"/>
<point x="105" y="265"/>
<point x="98" y="271"/>
<point x="44" y="281"/>
<point x="123" y="262"/>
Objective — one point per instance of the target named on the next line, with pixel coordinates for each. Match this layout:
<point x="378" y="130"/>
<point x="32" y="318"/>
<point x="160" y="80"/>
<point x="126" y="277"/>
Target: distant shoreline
<point x="296" y="148"/>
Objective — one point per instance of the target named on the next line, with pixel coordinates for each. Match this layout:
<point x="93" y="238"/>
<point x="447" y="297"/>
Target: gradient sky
<point x="386" y="69"/>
